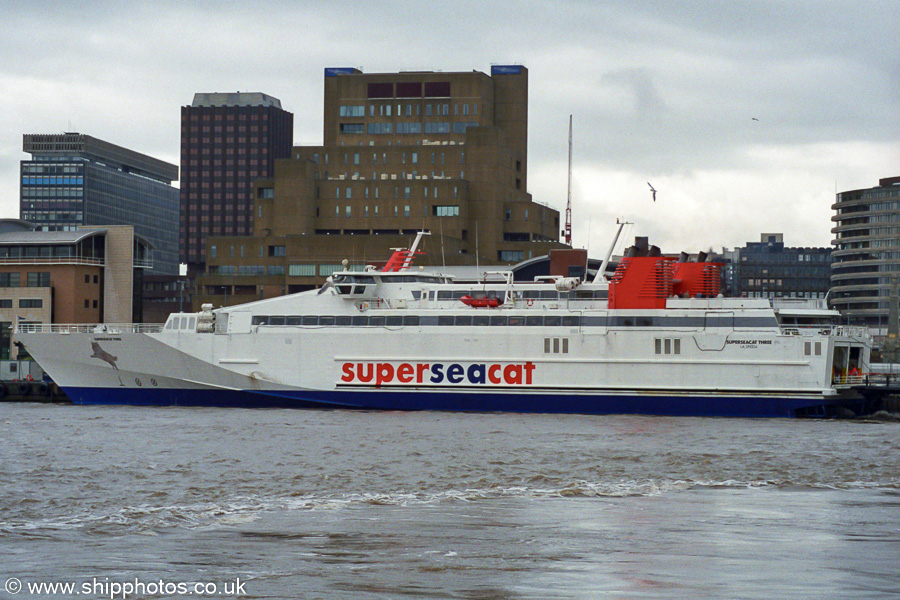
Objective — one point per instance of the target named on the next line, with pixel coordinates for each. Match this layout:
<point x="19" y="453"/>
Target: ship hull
<point x="643" y="403"/>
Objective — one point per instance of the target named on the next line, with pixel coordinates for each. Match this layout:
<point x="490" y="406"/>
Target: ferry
<point x="653" y="336"/>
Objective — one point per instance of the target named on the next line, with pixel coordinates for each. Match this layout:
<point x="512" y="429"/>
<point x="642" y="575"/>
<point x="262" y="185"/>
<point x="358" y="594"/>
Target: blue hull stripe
<point x="671" y="405"/>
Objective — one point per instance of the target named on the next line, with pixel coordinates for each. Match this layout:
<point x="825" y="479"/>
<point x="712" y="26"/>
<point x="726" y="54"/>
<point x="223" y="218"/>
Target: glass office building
<point x="74" y="179"/>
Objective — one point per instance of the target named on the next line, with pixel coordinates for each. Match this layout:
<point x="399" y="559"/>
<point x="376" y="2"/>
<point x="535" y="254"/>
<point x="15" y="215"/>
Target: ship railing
<point x="872" y="379"/>
<point x="814" y="303"/>
<point x="852" y="331"/>
<point x="852" y="379"/>
<point x="101" y="328"/>
<point x="807" y="330"/>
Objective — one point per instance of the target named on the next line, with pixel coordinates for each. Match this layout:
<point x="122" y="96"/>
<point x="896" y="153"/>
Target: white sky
<point x="660" y="92"/>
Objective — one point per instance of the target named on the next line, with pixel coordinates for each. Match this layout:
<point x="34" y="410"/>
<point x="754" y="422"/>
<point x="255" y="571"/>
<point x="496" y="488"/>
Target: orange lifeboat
<point x="481" y="302"/>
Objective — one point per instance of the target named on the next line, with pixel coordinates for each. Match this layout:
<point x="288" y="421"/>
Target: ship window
<point x="498" y="320"/>
<point x="277" y="320"/>
<point x="534" y="321"/>
<point x="294" y="320"/>
<point x="259" y="320"/>
<point x="359" y="289"/>
<point x="667" y="345"/>
<point x="552" y="321"/>
<point x="416" y="294"/>
<point x="807" y="348"/>
<point x="444" y="295"/>
<point x="326" y="320"/>
<point x="394" y="321"/>
<point x="411" y="320"/>
<point x="556" y="345"/>
<point x="310" y="320"/>
<point x="445" y="320"/>
<point x="571" y="321"/>
<point x="531" y="294"/>
<point x="481" y="320"/>
<point x="516" y="321"/>
<point x="818" y="348"/>
<point x="343" y="321"/>
<point x="359" y="320"/>
<point x="463" y="320"/>
<point x="379" y="321"/>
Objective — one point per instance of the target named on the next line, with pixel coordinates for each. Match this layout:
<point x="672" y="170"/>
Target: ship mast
<point x="567" y="232"/>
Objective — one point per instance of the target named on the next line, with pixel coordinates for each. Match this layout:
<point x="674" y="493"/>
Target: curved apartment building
<point x="866" y="251"/>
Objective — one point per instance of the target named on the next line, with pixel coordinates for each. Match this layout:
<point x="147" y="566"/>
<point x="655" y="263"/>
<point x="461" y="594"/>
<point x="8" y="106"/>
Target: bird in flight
<point x="754" y="119"/>
<point x="653" y="191"/>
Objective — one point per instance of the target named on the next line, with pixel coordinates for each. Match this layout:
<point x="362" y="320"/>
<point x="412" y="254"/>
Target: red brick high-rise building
<point x="228" y="140"/>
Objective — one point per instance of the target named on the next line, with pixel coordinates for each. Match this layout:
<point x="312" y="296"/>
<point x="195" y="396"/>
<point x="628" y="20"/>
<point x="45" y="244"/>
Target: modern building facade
<point x="866" y="251"/>
<point x="87" y="275"/>
<point x="74" y="180"/>
<point x="401" y="152"/>
<point x="769" y="269"/>
<point x="228" y="140"/>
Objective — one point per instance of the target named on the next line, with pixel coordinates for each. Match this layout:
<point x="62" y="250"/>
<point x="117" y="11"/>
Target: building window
<point x="511" y="255"/>
<point x="31" y="303"/>
<point x="38" y="279"/>
<point x="445" y="211"/>
<point x="10" y="279"/>
<point x="276" y="250"/>
<point x="406" y="210"/>
<point x="212" y="253"/>
<point x="302" y="270"/>
<point x="352" y="111"/>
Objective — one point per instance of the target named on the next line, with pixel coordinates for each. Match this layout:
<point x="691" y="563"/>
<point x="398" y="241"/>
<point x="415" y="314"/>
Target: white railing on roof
<point x="52" y="260"/>
<point x="101" y="328"/>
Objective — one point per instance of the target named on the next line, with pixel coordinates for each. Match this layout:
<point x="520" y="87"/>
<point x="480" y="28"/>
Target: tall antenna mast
<point x="567" y="232"/>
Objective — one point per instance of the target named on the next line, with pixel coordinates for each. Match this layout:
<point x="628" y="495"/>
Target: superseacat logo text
<point x="434" y="374"/>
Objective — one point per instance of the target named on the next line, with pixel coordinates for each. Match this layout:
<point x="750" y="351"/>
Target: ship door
<point x="840" y="364"/>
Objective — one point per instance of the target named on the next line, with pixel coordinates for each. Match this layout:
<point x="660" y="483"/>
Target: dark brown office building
<point x="228" y="140"/>
<point x="445" y="152"/>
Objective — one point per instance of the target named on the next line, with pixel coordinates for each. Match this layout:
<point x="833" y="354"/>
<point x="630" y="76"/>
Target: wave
<point x="237" y="511"/>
